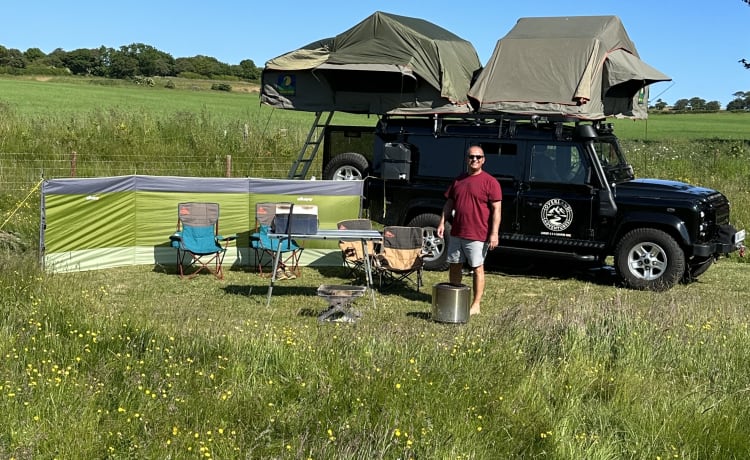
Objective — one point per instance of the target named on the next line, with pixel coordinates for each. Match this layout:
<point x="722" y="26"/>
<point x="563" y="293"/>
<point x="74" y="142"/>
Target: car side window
<point x="554" y="163"/>
<point x="572" y="165"/>
<point x="543" y="163"/>
<point x="502" y="159"/>
<point x="606" y="152"/>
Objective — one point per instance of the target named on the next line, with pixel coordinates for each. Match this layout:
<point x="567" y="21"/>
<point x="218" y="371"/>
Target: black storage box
<point x="396" y="161"/>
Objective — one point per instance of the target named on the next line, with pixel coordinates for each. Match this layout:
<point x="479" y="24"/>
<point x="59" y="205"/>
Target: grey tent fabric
<point x="385" y="64"/>
<point x="583" y="67"/>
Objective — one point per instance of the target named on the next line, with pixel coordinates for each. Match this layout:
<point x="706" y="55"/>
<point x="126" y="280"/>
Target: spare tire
<point x="347" y="166"/>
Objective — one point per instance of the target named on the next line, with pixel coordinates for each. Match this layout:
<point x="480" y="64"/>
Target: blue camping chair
<point x="197" y="240"/>
<point x="265" y="247"/>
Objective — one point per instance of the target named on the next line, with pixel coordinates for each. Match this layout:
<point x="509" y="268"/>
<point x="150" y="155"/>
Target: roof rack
<point x="479" y="116"/>
<point x="504" y="125"/>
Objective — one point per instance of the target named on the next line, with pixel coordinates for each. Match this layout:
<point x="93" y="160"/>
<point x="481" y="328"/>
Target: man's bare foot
<point x="474" y="311"/>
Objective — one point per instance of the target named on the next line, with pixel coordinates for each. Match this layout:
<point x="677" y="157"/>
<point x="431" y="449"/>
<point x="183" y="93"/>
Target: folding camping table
<point x="363" y="235"/>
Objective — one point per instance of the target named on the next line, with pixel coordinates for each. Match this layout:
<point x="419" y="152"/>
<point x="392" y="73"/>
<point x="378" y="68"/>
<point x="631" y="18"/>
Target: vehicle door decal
<point x="557" y="215"/>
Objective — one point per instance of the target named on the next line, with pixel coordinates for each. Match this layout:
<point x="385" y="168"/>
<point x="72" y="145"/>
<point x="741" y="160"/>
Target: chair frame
<point x="265" y="248"/>
<point x="398" y="239"/>
<point x="352" y="251"/>
<point x="211" y="261"/>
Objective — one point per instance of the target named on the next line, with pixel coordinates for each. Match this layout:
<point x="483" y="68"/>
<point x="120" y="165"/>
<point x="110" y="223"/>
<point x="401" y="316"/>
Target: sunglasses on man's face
<point x="475" y="157"/>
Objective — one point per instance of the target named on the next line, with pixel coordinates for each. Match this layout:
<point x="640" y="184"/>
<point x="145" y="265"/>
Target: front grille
<point x="716" y="213"/>
<point x="718" y="208"/>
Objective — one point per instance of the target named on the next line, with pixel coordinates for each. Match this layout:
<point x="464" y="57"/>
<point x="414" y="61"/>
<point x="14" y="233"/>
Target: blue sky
<point x="697" y="43"/>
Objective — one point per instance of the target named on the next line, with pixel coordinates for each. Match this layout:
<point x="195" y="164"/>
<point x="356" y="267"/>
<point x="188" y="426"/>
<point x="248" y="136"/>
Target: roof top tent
<point x="385" y="64"/>
<point x="583" y="67"/>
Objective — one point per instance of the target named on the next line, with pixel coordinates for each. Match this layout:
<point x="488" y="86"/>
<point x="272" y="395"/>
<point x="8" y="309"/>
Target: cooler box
<point x="304" y="219"/>
<point x="396" y="161"/>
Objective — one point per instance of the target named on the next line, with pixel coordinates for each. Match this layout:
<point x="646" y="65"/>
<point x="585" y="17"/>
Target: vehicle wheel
<point x="649" y="259"/>
<point x="347" y="166"/>
<point x="434" y="246"/>
<point x="696" y="268"/>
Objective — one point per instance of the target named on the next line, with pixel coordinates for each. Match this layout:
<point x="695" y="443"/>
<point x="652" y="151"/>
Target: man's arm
<point x="495" y="224"/>
<point x="447" y="211"/>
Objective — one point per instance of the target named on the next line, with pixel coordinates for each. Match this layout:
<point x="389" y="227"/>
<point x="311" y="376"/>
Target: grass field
<point x="696" y="126"/>
<point x="136" y="363"/>
<point x="43" y="98"/>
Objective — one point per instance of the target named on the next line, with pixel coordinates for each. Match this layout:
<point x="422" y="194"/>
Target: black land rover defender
<point x="568" y="193"/>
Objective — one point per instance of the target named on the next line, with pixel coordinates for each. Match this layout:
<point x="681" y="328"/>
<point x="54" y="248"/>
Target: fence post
<point x="229" y="166"/>
<point x="73" y="161"/>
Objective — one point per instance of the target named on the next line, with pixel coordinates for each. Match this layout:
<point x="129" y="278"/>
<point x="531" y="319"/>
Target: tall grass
<point x="45" y="127"/>
<point x="719" y="164"/>
<point x="135" y="363"/>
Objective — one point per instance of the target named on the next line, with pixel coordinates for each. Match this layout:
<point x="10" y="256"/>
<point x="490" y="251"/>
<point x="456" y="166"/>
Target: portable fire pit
<point x="340" y="298"/>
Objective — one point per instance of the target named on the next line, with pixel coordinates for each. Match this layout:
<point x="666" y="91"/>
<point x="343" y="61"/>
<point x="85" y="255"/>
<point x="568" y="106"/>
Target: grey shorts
<point x="461" y="250"/>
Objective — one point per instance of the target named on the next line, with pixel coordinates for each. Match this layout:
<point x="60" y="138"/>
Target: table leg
<point x="275" y="266"/>
<point x="368" y="271"/>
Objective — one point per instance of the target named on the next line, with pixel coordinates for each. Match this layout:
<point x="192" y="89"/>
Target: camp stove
<point x="339" y="298"/>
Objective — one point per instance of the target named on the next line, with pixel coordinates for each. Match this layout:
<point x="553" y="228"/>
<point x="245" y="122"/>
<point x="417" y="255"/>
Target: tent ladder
<point x="304" y="160"/>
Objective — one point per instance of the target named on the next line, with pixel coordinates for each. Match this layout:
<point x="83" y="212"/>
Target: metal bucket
<point x="450" y="303"/>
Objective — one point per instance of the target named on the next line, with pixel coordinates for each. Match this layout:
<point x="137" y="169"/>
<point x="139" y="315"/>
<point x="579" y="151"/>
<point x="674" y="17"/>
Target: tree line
<point x="135" y="60"/>
<point x="740" y="102"/>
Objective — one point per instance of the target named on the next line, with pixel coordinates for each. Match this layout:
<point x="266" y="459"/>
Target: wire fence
<point x="117" y="143"/>
<point x="21" y="171"/>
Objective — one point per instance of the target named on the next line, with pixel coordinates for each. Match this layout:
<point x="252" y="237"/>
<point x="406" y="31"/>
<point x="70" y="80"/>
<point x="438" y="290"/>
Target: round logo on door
<point x="557" y="215"/>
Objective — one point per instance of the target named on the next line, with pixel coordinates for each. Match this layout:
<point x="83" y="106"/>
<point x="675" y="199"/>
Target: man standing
<point x="474" y="200"/>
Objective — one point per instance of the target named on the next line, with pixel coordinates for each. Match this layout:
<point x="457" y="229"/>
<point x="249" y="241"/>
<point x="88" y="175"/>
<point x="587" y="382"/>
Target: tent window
<point x="369" y="82"/>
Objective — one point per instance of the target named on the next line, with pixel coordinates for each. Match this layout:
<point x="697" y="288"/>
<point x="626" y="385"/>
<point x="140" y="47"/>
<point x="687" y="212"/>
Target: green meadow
<point x="691" y="126"/>
<point x="137" y="363"/>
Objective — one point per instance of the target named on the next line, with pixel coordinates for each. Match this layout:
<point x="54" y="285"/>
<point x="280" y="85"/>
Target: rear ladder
<point x="304" y="160"/>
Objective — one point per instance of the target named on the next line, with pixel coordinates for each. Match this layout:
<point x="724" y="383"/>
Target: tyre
<point x="649" y="259"/>
<point x="347" y="166"/>
<point x="434" y="246"/>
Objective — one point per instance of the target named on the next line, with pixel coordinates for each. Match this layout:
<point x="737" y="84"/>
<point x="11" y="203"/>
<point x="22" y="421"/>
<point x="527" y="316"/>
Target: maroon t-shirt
<point x="472" y="201"/>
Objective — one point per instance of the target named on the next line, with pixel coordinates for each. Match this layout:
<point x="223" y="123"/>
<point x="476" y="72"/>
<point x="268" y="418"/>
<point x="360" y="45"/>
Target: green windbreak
<point x="88" y="221"/>
<point x="116" y="221"/>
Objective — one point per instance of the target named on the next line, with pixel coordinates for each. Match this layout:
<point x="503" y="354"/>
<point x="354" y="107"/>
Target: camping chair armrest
<point x="175" y="239"/>
<point x="225" y="239"/>
<point x="378" y="261"/>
